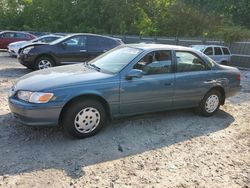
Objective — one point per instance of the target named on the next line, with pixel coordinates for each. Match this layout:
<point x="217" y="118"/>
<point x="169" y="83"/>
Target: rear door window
<point x="189" y="62"/>
<point x="217" y="51"/>
<point x="20" y="35"/>
<point x="226" y="51"/>
<point x="100" y="44"/>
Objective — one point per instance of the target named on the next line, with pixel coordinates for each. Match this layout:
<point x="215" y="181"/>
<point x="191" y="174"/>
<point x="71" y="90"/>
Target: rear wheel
<point x="84" y="118"/>
<point x="210" y="103"/>
<point x="44" y="62"/>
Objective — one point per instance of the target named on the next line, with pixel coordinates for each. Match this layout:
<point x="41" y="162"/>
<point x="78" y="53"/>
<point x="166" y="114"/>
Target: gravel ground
<point x="171" y="149"/>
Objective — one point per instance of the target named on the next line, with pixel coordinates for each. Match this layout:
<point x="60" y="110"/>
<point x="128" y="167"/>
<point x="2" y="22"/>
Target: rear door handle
<point x="210" y="81"/>
<point x="83" y="50"/>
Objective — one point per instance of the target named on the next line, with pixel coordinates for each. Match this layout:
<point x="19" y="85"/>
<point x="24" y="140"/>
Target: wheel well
<point x="222" y="92"/>
<point x="88" y="96"/>
<point x="46" y="55"/>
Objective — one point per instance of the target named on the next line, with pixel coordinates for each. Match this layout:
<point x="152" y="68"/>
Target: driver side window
<point x="78" y="42"/>
<point x="157" y="62"/>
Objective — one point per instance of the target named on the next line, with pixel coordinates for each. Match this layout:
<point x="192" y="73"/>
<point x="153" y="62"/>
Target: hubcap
<point x="212" y="103"/>
<point x="87" y="120"/>
<point x="44" y="64"/>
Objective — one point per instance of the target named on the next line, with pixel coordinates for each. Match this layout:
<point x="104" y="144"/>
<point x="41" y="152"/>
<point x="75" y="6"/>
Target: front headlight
<point x="34" y="97"/>
<point x="27" y="50"/>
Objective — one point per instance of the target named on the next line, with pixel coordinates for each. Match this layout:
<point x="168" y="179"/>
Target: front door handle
<point x="168" y="84"/>
<point x="83" y="50"/>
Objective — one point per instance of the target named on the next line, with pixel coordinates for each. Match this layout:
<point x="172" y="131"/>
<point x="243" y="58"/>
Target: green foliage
<point x="224" y="19"/>
<point x="232" y="33"/>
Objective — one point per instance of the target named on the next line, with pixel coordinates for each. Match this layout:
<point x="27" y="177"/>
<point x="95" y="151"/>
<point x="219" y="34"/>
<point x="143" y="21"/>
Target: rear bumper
<point x="233" y="91"/>
<point x="34" y="114"/>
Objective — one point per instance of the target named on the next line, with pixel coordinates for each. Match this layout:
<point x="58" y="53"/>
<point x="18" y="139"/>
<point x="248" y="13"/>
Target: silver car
<point x="220" y="54"/>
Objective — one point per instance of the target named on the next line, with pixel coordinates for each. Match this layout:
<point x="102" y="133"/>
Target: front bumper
<point x="12" y="52"/>
<point x="27" y="60"/>
<point x="34" y="114"/>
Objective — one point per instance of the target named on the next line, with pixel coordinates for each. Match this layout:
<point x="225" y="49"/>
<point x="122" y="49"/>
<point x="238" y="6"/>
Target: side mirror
<point x="134" y="73"/>
<point x="64" y="45"/>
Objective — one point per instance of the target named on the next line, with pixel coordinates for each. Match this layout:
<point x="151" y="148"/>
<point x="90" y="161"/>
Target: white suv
<point x="220" y="54"/>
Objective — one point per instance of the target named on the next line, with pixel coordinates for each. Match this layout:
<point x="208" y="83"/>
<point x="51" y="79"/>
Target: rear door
<point x="226" y="54"/>
<point x="218" y="56"/>
<point x="98" y="45"/>
<point x="192" y="79"/>
<point x="21" y="37"/>
<point x="72" y="50"/>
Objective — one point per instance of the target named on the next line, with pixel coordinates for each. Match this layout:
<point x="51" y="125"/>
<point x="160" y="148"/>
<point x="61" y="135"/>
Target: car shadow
<point x="28" y="149"/>
<point x="7" y="73"/>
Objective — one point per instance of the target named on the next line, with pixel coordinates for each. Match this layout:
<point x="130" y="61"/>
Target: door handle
<point x="210" y="81"/>
<point x="104" y="50"/>
<point x="168" y="84"/>
<point x="83" y="50"/>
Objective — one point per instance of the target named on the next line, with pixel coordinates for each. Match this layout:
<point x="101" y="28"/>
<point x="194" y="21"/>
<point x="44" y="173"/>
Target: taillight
<point x="238" y="77"/>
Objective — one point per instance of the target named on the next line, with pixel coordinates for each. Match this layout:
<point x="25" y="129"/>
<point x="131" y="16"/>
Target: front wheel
<point x="84" y="118"/>
<point x="44" y="63"/>
<point x="210" y="103"/>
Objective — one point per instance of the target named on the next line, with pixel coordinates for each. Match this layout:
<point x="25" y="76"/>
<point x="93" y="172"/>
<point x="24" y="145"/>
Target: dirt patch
<point x="171" y="149"/>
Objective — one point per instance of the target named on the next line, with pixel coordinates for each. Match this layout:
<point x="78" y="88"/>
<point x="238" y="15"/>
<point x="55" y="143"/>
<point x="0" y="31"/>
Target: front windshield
<point x="115" y="60"/>
<point x="38" y="39"/>
<point x="59" y="40"/>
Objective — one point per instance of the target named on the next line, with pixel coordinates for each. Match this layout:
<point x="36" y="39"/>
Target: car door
<point x="209" y="51"/>
<point x="72" y="50"/>
<point x="193" y="79"/>
<point x="154" y="90"/>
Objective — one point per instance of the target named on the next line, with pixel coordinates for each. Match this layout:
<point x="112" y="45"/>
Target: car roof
<point x="211" y="45"/>
<point x="158" y="46"/>
<point x="16" y="32"/>
<point x="90" y="34"/>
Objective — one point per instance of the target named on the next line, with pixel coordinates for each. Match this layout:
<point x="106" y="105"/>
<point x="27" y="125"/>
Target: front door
<point x="73" y="50"/>
<point x="154" y="90"/>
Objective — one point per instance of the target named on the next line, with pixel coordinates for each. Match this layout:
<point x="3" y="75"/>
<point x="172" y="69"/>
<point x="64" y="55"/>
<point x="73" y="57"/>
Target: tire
<point x="44" y="62"/>
<point x="210" y="104"/>
<point x="84" y="118"/>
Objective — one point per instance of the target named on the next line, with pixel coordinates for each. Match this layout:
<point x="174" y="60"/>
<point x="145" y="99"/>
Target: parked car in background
<point x="13" y="48"/>
<point x="220" y="54"/>
<point x="128" y="80"/>
<point x="73" y="48"/>
<point x="7" y="37"/>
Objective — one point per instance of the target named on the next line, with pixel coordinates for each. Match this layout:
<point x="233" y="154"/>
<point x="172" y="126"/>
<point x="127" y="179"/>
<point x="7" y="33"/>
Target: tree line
<point x="226" y="19"/>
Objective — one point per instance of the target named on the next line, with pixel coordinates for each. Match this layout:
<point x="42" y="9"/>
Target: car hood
<point x="19" y="43"/>
<point x="59" y="77"/>
<point x="33" y="44"/>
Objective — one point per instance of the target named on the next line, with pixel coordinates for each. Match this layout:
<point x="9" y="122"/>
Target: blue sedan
<point x="128" y="80"/>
